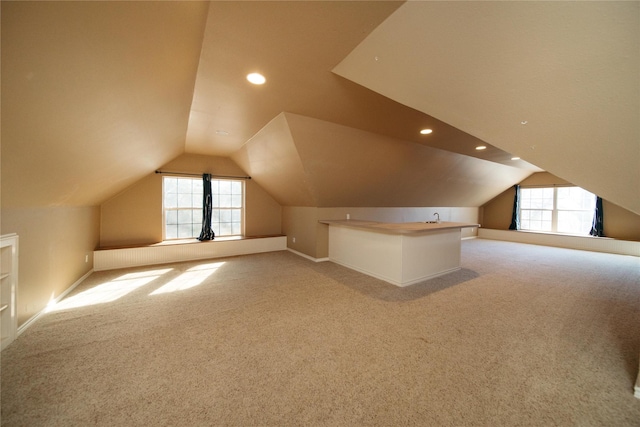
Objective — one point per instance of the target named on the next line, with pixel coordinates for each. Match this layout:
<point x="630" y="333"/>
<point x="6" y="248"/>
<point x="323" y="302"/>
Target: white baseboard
<point x="308" y="256"/>
<point x="585" y="243"/>
<point x="35" y="317"/>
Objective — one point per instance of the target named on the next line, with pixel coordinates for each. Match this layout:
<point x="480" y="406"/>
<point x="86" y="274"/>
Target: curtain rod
<point x="546" y="185"/>
<point x="200" y="175"/>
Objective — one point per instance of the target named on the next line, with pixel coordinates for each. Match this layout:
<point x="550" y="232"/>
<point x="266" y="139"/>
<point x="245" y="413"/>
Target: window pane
<point x="215" y="186"/>
<point x="574" y="210"/>
<point x="171" y="200"/>
<point x="577" y="222"/>
<point x="184" y="231"/>
<point x="564" y="198"/>
<point x="182" y="200"/>
<point x="225" y="200"/>
<point x="171" y="232"/>
<point x="225" y="215"/>
<point x="184" y="185"/>
<point x="236" y="228"/>
<point x="185" y="216"/>
<point x="536" y="220"/>
<point x="536" y="203"/>
<point x="225" y="187"/>
<point x="575" y="198"/>
<point x="171" y="217"/>
<point x="197" y="216"/>
<point x="536" y="198"/>
<point x="225" y="228"/>
<point x="170" y="185"/>
<point x="539" y="225"/>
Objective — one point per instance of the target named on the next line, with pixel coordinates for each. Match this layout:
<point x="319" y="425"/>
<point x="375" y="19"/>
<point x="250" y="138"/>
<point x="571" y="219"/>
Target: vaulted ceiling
<point x="96" y="95"/>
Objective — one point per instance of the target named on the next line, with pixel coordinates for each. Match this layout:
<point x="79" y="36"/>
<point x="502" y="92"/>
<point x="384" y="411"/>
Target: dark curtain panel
<point x="207" y="207"/>
<point x="597" y="226"/>
<point x="515" y="216"/>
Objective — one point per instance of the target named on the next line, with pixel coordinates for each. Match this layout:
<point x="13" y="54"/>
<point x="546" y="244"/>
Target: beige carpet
<point x="522" y="336"/>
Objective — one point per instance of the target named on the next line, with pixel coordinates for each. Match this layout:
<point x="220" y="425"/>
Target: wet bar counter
<point x="398" y="253"/>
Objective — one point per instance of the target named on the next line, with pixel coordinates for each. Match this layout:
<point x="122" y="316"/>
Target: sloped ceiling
<point x="304" y="161"/>
<point x="331" y="140"/>
<point x="570" y="70"/>
<point x="296" y="45"/>
<point x="95" y="95"/>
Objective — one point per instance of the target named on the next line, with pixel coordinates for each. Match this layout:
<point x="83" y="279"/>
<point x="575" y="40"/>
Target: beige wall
<point x="263" y="215"/>
<point x="619" y="223"/>
<point x="312" y="238"/>
<point x="301" y="223"/>
<point x="135" y="216"/>
<point x="53" y="245"/>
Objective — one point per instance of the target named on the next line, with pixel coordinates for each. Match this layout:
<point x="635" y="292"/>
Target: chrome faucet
<point x="437" y="215"/>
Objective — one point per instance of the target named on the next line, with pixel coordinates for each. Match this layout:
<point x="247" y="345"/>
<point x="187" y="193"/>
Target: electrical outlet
<point x="86" y="258"/>
<point x="293" y="239"/>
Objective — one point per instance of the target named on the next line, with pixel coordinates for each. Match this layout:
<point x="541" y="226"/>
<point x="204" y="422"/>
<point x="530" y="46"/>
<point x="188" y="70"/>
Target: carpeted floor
<point x="523" y="335"/>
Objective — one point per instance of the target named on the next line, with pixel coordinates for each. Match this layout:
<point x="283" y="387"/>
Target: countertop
<point x="398" y="227"/>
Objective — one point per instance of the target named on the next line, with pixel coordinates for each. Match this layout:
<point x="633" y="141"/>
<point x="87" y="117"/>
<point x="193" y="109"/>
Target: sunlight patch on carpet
<point x="108" y="291"/>
<point x="189" y="279"/>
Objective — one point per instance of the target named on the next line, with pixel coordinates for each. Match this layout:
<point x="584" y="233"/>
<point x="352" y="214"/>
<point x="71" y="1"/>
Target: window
<point x="557" y="209"/>
<point x="182" y="199"/>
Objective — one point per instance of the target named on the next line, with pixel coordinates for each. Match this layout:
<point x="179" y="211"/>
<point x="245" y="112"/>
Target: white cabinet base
<point x="8" y="286"/>
<point x="400" y="259"/>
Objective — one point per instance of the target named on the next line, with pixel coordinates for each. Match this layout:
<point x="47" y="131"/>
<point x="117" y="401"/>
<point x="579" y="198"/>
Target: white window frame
<point x="165" y="209"/>
<point x="555" y="210"/>
<point x="243" y="188"/>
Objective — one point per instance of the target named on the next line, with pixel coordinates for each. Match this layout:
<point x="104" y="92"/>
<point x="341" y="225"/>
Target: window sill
<point x="588" y="243"/>
<point x="194" y="240"/>
<point x="555" y="233"/>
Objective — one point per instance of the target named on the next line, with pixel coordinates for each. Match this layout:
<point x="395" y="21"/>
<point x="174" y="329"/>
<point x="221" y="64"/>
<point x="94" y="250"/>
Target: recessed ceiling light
<point x="481" y="147"/>
<point x="426" y="131"/>
<point x="256" y="78"/>
<point x="222" y="132"/>
<point x="515" y="158"/>
<point x="524" y="122"/>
